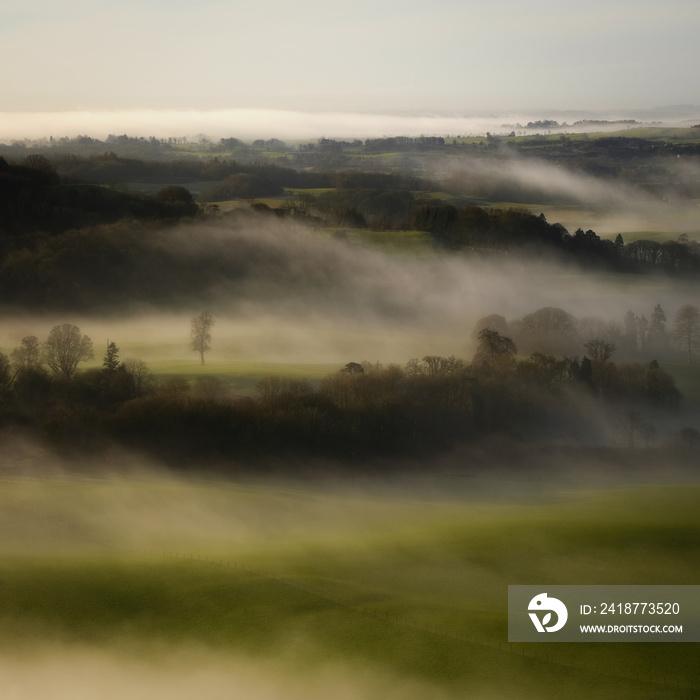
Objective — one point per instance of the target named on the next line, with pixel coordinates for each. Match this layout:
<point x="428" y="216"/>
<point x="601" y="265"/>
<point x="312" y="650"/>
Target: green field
<point x="373" y="588"/>
<point x="240" y="378"/>
<point x="416" y="244"/>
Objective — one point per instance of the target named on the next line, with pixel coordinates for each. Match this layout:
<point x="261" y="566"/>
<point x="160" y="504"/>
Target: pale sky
<point x="367" y="56"/>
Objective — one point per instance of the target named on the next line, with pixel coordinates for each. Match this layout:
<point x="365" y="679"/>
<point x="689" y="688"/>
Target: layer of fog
<point x="121" y="502"/>
<point x="268" y="123"/>
<point x="403" y="524"/>
<point x="75" y="673"/>
<point x="41" y="661"/>
<point x="605" y="204"/>
<point x="283" y="294"/>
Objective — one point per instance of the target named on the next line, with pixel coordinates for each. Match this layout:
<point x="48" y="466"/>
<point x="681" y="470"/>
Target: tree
<point x="550" y="329"/>
<point x="599" y="350"/>
<point x="658" y="321"/>
<point x="110" y="364"/>
<point x="111" y="358"/>
<point x="657" y="338"/>
<point x="619" y="245"/>
<point x="28" y="354"/>
<point x="41" y="163"/>
<point x="5" y="377"/>
<point x="200" y="334"/>
<point x="495" y="322"/>
<point x="686" y="329"/>
<point x="494" y="348"/>
<point x="176" y="201"/>
<point x="65" y="348"/>
<point x="140" y="378"/>
<point x="630" y="425"/>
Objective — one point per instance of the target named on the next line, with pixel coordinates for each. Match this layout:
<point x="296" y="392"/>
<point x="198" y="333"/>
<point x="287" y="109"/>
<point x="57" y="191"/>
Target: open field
<point x="415" y="244"/>
<point x="241" y="378"/>
<point x="288" y="587"/>
<point x="660" y="133"/>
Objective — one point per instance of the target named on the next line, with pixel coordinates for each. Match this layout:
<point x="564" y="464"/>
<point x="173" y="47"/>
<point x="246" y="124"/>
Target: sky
<point x="427" y="57"/>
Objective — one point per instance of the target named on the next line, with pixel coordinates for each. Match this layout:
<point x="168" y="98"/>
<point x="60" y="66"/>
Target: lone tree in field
<point x="65" y="348"/>
<point x="686" y="329"/>
<point x="200" y="334"/>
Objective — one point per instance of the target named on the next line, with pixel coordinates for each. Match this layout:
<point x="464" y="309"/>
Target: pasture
<point x="366" y="586"/>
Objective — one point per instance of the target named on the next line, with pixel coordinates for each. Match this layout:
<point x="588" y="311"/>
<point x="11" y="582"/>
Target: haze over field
<point x="283" y="294"/>
<point x="255" y="123"/>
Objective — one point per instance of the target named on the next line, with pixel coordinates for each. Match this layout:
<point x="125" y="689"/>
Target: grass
<point x="657" y="133"/>
<point x="414" y="586"/>
<point x="315" y="191"/>
<point x="241" y="377"/>
<point x="653" y="133"/>
<point x="410" y="243"/>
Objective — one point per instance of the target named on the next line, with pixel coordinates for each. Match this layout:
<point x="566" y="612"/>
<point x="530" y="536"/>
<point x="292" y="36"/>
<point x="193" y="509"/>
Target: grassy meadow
<point x="337" y="589"/>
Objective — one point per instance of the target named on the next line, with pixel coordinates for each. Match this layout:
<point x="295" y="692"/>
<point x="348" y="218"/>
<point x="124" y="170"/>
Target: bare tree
<point x="599" y="350"/>
<point x="630" y="426"/>
<point x="686" y="329"/>
<point x="28" y="354"/>
<point x="140" y="378"/>
<point x="65" y="348"/>
<point x="201" y="333"/>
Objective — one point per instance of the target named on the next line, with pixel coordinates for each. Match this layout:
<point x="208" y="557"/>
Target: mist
<point x="289" y="124"/>
<point x="58" y="673"/>
<point x="337" y="583"/>
<point x="605" y="204"/>
<point x="284" y="293"/>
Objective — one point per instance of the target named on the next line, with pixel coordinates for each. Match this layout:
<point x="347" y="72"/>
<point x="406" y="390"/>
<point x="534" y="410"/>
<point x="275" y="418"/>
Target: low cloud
<point x="264" y="123"/>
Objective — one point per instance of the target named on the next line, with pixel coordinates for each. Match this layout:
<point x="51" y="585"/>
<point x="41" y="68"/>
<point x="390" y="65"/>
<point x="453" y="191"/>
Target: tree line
<point x="363" y="410"/>
<point x="555" y="331"/>
<point x="35" y="199"/>
<point x="649" y="163"/>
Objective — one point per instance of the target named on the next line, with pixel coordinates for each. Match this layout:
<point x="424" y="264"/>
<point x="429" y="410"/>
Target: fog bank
<point x="288" y="124"/>
<point x="285" y="294"/>
<point x="73" y="673"/>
